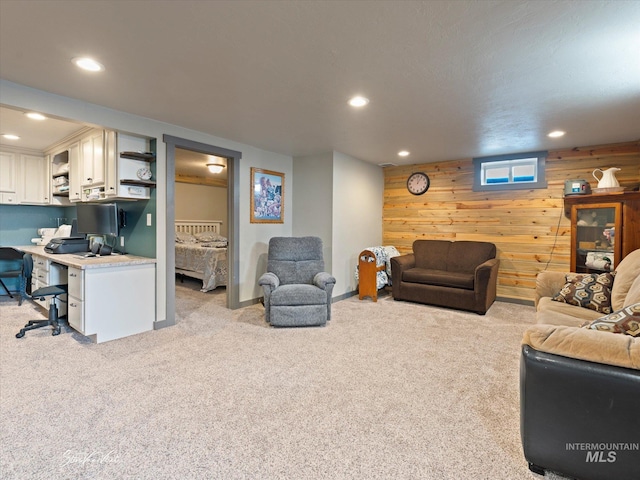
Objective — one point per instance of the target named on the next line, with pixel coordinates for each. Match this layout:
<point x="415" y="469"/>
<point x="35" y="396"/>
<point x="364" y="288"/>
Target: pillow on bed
<point x="184" y="237"/>
<point x="209" y="237"/>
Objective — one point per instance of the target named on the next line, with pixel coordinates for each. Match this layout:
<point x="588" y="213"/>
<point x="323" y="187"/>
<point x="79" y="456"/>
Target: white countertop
<point x="76" y="260"/>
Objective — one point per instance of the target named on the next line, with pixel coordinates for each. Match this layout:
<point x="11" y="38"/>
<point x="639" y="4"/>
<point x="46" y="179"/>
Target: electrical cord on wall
<point x="555" y="240"/>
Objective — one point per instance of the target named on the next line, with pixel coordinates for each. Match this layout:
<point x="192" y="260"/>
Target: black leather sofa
<point x="579" y="418"/>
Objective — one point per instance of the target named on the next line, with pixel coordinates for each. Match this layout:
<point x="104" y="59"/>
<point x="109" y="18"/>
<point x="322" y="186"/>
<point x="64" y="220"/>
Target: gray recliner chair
<point x="297" y="290"/>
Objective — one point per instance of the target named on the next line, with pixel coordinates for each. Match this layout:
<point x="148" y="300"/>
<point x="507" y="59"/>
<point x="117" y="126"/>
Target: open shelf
<point x="148" y="156"/>
<point x="142" y="183"/>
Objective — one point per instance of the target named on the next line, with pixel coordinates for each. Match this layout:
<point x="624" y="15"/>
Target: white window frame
<point x="508" y="165"/>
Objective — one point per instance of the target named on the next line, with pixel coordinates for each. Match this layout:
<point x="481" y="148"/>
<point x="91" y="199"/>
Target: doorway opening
<point x="179" y="149"/>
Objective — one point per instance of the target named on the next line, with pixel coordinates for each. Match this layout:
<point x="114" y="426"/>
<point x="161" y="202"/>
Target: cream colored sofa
<point x="625" y="292"/>
<point x="580" y="386"/>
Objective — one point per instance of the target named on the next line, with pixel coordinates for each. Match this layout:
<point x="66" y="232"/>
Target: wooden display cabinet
<point x="603" y="227"/>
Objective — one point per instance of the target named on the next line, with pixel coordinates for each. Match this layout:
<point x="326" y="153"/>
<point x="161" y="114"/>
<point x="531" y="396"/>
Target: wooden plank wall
<point x="528" y="227"/>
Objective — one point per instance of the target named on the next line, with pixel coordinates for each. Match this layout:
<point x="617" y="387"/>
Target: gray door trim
<point x="233" y="174"/>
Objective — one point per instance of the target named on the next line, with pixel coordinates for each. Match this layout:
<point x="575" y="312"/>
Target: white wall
<point x="339" y="198"/>
<point x="358" y="192"/>
<point x="201" y="202"/>
<point x="253" y="237"/>
<point x="313" y="201"/>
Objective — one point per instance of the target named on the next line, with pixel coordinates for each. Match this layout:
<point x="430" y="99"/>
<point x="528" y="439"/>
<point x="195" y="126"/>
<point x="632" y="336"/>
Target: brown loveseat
<point x="461" y="275"/>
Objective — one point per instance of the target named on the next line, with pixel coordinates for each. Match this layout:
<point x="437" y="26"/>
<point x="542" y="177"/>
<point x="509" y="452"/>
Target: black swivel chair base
<point x="53" y="319"/>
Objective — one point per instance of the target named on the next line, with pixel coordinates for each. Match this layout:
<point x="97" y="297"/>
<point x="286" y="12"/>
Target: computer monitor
<point x="98" y="218"/>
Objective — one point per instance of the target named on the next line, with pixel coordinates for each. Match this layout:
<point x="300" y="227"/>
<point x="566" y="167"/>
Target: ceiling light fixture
<point x="358" y="101"/>
<point x="215" y="165"/>
<point x="35" y="116"/>
<point x="88" y="64"/>
<point x="403" y="153"/>
<point x="556" y="134"/>
<point x="10" y="136"/>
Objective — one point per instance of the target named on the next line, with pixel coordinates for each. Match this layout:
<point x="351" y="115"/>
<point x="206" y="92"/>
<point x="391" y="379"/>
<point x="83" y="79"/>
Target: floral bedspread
<point x="209" y="262"/>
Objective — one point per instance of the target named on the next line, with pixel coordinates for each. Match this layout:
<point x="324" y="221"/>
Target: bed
<point x="201" y="252"/>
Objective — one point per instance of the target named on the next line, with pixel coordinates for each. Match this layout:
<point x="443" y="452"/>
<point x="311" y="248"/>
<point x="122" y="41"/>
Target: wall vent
<point x="383" y="165"/>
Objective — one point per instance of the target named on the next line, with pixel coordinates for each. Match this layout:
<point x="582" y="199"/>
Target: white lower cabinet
<point x="75" y="290"/>
<point x="47" y="273"/>
<point x="112" y="302"/>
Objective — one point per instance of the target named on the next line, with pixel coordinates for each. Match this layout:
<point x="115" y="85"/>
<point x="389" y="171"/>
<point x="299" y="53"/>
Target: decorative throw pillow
<point x="625" y="321"/>
<point x="587" y="290"/>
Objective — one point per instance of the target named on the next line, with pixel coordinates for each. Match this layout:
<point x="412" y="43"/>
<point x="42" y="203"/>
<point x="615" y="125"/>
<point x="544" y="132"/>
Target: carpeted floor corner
<point x="387" y="390"/>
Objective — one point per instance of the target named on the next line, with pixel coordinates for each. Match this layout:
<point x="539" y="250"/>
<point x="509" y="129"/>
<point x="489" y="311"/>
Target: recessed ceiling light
<point x="10" y="136"/>
<point x="403" y="153"/>
<point x="556" y="134"/>
<point x="358" y="101"/>
<point x="35" y="116"/>
<point x="88" y="64"/>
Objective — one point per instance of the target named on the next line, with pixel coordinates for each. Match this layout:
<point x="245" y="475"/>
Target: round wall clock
<point x="418" y="183"/>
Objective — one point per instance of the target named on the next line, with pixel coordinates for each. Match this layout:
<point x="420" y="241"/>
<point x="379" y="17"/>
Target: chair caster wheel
<point x="19" y="334"/>
<point x="55" y="332"/>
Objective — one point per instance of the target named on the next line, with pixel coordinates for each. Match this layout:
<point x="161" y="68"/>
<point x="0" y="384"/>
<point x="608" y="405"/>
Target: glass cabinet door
<point x="595" y="236"/>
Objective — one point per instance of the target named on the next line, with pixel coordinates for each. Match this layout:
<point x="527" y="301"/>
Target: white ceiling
<point x="446" y="79"/>
<point x="34" y="134"/>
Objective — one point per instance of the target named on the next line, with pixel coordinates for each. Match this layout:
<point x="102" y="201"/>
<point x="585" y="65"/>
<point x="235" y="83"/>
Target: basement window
<point x="518" y="171"/>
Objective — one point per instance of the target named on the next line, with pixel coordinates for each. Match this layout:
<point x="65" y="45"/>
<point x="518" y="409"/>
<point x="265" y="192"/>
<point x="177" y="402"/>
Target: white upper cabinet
<point x="34" y="181"/>
<point x="92" y="159"/>
<point x="94" y="165"/>
<point x="8" y="178"/>
<point x="75" y="173"/>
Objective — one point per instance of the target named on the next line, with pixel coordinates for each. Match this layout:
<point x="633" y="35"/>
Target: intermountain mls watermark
<point x="82" y="458"/>
<point x="602" y="452"/>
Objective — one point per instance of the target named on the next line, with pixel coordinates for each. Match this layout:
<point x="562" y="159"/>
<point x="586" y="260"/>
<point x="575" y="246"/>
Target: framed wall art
<point x="267" y="196"/>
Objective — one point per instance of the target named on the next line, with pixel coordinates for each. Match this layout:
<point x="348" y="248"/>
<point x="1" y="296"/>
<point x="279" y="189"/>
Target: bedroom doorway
<point x="186" y="166"/>
<point x="201" y="223"/>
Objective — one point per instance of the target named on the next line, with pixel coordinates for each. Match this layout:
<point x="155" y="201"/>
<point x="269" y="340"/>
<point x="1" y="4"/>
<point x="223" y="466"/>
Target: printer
<point x="67" y="245"/>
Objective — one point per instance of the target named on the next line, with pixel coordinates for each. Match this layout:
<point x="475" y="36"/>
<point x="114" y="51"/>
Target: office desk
<point x="108" y="297"/>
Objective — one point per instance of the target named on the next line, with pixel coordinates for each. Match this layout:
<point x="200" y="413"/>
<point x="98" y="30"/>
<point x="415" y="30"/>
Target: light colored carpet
<point x="387" y="390"/>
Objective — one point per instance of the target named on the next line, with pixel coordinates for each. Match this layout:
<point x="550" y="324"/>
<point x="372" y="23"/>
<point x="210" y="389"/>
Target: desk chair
<point x="52" y="291"/>
<point x="12" y="257"/>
